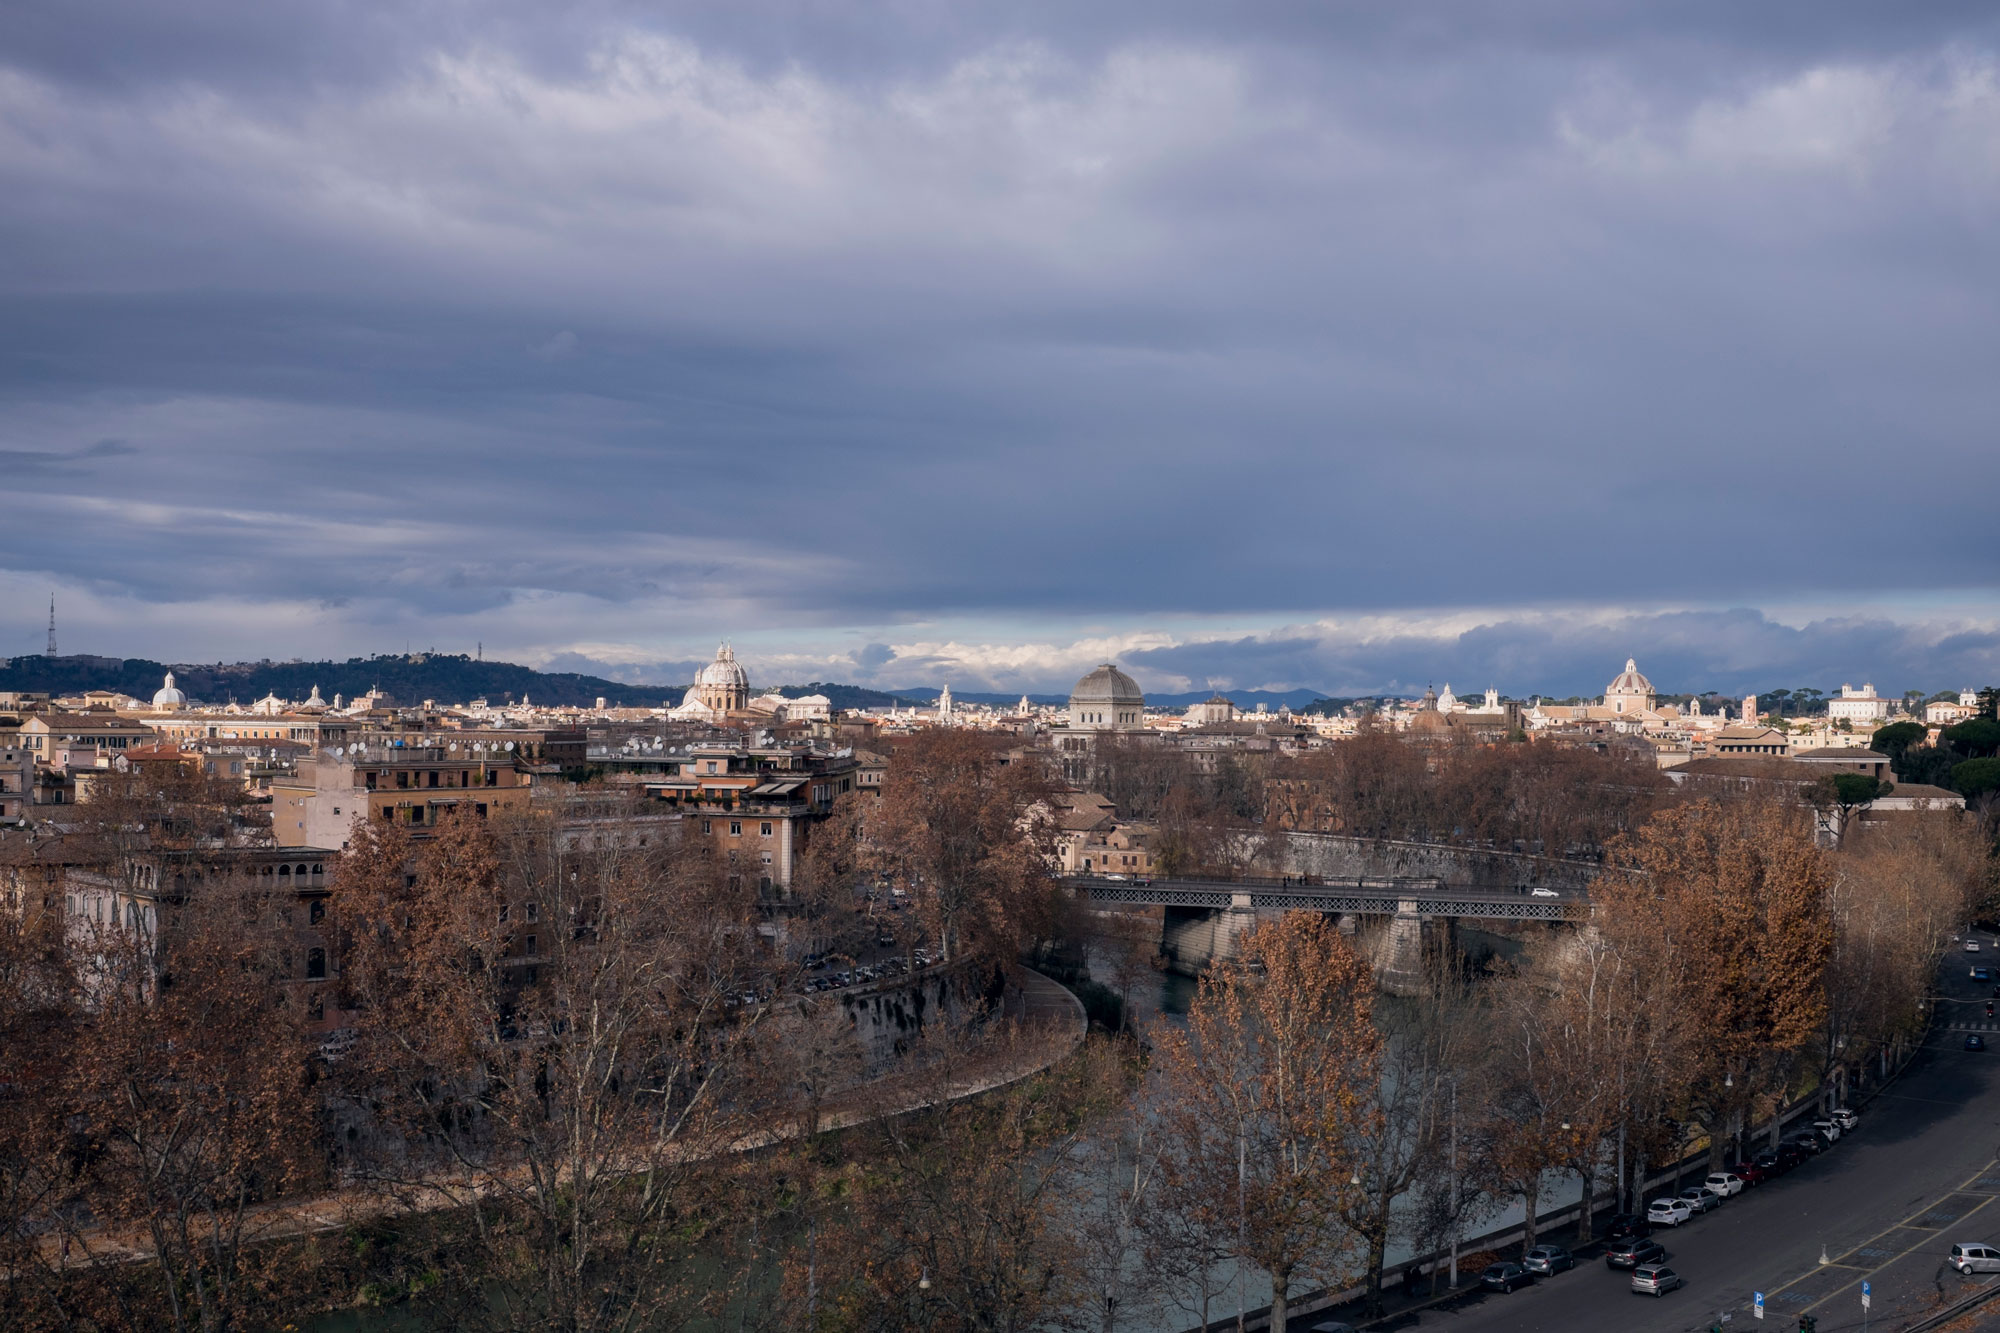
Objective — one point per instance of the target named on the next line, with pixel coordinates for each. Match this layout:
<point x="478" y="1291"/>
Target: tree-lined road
<point x="1884" y="1204"/>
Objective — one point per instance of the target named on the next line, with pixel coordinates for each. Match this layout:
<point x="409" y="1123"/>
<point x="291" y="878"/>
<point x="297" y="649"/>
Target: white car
<point x="1830" y="1128"/>
<point x="1843" y="1117"/>
<point x="1543" y="893"/>
<point x="1669" y="1212"/>
<point x="1725" y="1184"/>
<point x="1972" y="946"/>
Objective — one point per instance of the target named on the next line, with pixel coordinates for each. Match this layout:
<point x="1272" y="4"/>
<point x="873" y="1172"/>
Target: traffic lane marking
<point x="1906" y="1223"/>
<point x="1929" y="1238"/>
<point x="1915" y="1282"/>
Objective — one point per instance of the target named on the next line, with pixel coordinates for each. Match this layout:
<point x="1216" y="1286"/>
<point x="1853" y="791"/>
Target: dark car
<point x="1810" y="1144"/>
<point x="1505" y="1277"/>
<point x="1791" y="1154"/>
<point x="1631" y="1253"/>
<point x="1982" y="974"/>
<point x="1547" y="1260"/>
<point x="1772" y="1163"/>
<point x="1627" y="1226"/>
<point x="1974" y="1042"/>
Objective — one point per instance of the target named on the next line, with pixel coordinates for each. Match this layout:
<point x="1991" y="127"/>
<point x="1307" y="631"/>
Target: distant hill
<point x="843" y="696"/>
<point x="407" y="678"/>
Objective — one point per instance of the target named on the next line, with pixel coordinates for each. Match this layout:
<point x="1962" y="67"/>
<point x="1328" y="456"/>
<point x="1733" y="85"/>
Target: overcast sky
<point x="1343" y="345"/>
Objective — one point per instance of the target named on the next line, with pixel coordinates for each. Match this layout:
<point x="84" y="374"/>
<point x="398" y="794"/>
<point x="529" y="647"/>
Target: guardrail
<point x="1359" y="897"/>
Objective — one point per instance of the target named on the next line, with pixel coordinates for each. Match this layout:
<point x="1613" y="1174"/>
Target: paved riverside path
<point x="1885" y="1203"/>
<point x="1041" y="1022"/>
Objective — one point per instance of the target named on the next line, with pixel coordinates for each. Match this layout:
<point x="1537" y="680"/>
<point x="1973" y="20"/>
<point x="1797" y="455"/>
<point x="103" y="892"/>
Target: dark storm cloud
<point x="1558" y="655"/>
<point x="625" y="323"/>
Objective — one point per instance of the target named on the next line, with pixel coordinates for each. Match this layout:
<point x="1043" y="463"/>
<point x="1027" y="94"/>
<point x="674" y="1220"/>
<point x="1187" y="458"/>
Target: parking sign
<point x="1864" y="1294"/>
<point x="1757" y="1303"/>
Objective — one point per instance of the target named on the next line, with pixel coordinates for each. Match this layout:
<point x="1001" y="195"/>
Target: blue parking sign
<point x="1757" y="1303"/>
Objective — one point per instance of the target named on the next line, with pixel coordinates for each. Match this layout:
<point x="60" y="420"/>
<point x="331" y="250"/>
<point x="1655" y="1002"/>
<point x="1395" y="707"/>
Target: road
<point x="1920" y="1172"/>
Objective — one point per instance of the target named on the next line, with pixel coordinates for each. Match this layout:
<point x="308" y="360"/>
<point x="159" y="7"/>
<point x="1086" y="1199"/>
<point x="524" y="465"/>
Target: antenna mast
<point x="52" y="624"/>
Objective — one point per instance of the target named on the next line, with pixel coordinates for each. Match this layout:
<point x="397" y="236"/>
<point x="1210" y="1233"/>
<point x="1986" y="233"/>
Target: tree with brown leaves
<point x="961" y="826"/>
<point x="1729" y="903"/>
<point x="1269" y="1087"/>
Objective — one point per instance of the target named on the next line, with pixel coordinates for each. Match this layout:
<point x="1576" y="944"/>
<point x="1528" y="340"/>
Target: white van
<point x="1971" y="1258"/>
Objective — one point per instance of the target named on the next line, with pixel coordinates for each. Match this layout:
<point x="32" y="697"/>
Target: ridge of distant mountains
<point x="408" y="678"/>
<point x="453" y="678"/>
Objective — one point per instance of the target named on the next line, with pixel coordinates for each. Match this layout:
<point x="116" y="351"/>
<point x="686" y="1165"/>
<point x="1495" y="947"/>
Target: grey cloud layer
<point x="724" y="317"/>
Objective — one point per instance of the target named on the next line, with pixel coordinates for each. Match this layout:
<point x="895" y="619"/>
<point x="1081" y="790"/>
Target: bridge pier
<point x="1194" y="938"/>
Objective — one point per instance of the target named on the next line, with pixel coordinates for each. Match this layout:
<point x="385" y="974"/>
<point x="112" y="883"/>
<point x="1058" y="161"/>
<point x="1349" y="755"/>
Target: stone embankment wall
<point x="1335" y="856"/>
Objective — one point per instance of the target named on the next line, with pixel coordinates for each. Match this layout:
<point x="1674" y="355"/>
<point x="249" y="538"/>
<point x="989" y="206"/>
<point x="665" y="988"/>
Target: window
<point x="315" y="965"/>
<point x="735" y="828"/>
<point x="316" y="913"/>
<point x="503" y="914"/>
<point x="765" y="828"/>
<point x="531" y="946"/>
<point x="534" y="911"/>
<point x="708" y="826"/>
<point x="316" y="1006"/>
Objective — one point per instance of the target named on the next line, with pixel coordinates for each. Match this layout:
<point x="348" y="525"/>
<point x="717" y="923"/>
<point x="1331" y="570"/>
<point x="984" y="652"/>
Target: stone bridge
<point x="1203" y="919"/>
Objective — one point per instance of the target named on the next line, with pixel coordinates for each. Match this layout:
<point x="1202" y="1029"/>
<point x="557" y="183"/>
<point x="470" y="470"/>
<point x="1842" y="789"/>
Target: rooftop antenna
<point x="52" y="624"/>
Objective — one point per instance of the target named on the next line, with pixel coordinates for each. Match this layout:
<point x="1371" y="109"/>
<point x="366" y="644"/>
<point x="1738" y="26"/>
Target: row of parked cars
<point x="1632" y="1246"/>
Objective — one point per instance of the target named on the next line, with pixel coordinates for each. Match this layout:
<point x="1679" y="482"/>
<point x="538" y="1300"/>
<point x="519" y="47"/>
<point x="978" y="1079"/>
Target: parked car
<point x="1332" y="1326"/>
<point x="1791" y="1154"/>
<point x="1655" y="1279"/>
<point x="1701" y="1199"/>
<point x="1810" y="1144"/>
<point x="1543" y="893"/>
<point x="1828" y="1129"/>
<point x="1631" y="1253"/>
<point x="1848" y="1119"/>
<point x="1725" y="1184"/>
<point x="1669" y="1212"/>
<point x="1505" y="1277"/>
<point x="1973" y="1257"/>
<point x="1627" y="1226"/>
<point x="1547" y="1260"/>
<point x="1752" y="1174"/>
<point x="1772" y="1163"/>
<point x="1974" y="1042"/>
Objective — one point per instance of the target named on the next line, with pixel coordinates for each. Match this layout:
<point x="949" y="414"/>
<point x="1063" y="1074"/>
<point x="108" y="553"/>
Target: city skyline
<point x="1341" y="350"/>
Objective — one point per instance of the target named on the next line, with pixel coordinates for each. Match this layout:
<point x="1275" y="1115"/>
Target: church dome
<point x="167" y="697"/>
<point x="1629" y="681"/>
<point x="724" y="671"/>
<point x="1107" y="685"/>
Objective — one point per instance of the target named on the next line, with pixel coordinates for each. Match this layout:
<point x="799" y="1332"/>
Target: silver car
<point x="1548" y="1260"/>
<point x="1655" y="1279"/>
<point x="1973" y="1257"/>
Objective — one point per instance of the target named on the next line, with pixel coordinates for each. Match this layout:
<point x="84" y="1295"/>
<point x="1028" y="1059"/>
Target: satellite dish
<point x="336" y="752"/>
<point x="510" y="745"/>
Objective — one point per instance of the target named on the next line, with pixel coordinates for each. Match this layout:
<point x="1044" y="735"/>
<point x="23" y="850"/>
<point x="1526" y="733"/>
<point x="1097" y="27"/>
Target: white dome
<point x="724" y="670"/>
<point x="167" y="697"/>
